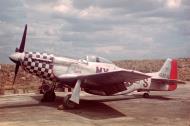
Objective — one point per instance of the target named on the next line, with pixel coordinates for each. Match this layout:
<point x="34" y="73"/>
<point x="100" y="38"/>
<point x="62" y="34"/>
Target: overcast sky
<point x="114" y="29"/>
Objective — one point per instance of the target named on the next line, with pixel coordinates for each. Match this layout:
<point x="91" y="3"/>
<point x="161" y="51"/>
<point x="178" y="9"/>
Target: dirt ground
<point x="162" y="108"/>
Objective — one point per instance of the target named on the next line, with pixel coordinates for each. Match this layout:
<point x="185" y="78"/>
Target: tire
<point x="52" y="96"/>
<point x="146" y="95"/>
<point x="67" y="103"/>
<point x="49" y="96"/>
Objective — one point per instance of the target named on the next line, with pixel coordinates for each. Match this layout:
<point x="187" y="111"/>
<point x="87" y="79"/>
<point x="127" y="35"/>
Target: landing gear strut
<point x="146" y="95"/>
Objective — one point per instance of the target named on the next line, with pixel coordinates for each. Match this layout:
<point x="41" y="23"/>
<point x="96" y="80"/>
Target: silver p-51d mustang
<point x="94" y="74"/>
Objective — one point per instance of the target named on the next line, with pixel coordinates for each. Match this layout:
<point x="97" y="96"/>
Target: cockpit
<point x="97" y="59"/>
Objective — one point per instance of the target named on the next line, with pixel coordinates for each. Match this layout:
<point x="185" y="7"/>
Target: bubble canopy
<point x="97" y="59"/>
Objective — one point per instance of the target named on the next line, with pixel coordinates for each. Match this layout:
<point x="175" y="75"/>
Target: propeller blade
<point x="16" y="71"/>
<point x="22" y="44"/>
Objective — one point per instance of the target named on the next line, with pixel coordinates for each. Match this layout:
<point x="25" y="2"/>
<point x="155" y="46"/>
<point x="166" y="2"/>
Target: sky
<point x="113" y="29"/>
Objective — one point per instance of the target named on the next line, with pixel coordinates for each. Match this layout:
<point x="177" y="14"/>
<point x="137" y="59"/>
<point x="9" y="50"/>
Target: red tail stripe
<point x="173" y="75"/>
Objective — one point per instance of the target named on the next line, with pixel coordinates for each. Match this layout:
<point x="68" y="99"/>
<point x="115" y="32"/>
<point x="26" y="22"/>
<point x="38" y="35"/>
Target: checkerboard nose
<point x="16" y="57"/>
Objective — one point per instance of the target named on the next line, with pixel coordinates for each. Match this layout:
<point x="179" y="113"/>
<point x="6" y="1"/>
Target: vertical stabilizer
<point x="169" y="71"/>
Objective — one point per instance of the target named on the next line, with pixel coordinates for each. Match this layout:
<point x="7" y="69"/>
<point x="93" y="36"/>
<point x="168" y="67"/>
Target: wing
<point x="114" y="77"/>
<point x="108" y="83"/>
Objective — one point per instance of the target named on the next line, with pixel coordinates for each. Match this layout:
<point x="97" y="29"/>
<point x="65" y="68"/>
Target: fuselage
<point x="50" y="67"/>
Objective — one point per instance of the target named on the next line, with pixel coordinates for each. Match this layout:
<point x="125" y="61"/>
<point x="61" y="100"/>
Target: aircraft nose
<point x="16" y="57"/>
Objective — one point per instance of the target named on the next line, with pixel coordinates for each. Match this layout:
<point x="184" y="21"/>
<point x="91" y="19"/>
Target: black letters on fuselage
<point x="101" y="70"/>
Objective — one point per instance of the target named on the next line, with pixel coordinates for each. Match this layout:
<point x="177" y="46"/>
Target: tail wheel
<point x="67" y="103"/>
<point x="146" y="95"/>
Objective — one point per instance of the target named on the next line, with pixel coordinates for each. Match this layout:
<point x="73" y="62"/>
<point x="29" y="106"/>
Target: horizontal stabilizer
<point x="168" y="81"/>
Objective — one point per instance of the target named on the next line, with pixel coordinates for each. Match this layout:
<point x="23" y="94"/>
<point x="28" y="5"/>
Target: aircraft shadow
<point x="94" y="108"/>
<point x="91" y="109"/>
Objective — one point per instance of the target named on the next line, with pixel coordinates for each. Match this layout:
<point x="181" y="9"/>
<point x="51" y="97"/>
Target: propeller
<point x="20" y="50"/>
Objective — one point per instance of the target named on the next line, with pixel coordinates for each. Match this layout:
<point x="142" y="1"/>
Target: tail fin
<point x="169" y="71"/>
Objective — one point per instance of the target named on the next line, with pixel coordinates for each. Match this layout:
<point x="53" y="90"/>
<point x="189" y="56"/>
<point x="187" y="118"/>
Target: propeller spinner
<point x="18" y="55"/>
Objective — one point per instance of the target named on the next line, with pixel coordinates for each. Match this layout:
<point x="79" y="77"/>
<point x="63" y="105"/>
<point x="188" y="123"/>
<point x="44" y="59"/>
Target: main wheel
<point x="67" y="103"/>
<point x="146" y="95"/>
<point x="49" y="96"/>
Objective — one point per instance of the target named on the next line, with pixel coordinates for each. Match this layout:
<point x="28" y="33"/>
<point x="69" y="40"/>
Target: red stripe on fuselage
<point x="173" y="75"/>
